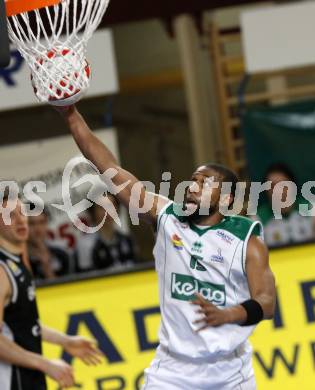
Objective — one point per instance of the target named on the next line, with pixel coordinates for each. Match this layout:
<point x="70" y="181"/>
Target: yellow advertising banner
<point x="122" y="314"/>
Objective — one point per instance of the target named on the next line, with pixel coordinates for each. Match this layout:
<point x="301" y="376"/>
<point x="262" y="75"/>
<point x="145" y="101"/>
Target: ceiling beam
<point x="122" y="11"/>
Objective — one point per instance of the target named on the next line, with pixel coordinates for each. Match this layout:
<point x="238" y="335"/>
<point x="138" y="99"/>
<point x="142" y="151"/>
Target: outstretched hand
<point x="84" y="349"/>
<point x="64" y="110"/>
<point x="59" y="371"/>
<point x="211" y="315"/>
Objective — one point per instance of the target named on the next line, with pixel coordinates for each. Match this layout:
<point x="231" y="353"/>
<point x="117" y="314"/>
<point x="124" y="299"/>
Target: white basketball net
<point x="53" y="41"/>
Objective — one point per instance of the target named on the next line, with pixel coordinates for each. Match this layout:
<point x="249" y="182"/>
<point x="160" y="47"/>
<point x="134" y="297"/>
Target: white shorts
<point x="168" y="372"/>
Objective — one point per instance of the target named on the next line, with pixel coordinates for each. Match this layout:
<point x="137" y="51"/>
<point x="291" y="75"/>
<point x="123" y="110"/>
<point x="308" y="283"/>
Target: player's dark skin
<point x="259" y="275"/>
<point x="202" y="190"/>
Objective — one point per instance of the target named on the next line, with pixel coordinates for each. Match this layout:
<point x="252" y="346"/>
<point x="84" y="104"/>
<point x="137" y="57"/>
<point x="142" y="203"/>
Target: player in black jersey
<point x="22" y="366"/>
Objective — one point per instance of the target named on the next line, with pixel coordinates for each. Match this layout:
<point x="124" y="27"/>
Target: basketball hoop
<point x="52" y="36"/>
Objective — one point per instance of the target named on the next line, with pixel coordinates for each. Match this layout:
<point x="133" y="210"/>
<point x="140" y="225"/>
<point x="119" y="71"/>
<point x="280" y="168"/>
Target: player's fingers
<point x="206" y="303"/>
<point x="69" y="377"/>
<point x="61" y="382"/>
<point x="208" y="322"/>
<point x="202" y="328"/>
<point x="200" y="320"/>
<point x="93" y="360"/>
<point x="71" y="380"/>
<point x="92" y="352"/>
<point x="90" y="344"/>
<point x="201" y="298"/>
<point x="205" y="311"/>
<point x="96" y="352"/>
<point x="198" y="302"/>
<point x="64" y="384"/>
<point x="92" y="357"/>
<point x="85" y="360"/>
<point x="195" y="301"/>
<point x="96" y="360"/>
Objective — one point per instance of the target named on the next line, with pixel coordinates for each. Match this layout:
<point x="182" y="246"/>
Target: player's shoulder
<point x="7" y="256"/>
<point x="173" y="209"/>
<point x="241" y="226"/>
<point x="11" y="263"/>
<point x="172" y="212"/>
<point x="3" y="255"/>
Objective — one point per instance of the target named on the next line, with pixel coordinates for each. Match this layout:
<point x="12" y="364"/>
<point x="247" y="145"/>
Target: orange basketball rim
<point x="15" y="7"/>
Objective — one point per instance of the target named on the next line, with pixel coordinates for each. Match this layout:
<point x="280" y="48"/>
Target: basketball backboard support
<point x="279" y="37"/>
<point x="4" y="39"/>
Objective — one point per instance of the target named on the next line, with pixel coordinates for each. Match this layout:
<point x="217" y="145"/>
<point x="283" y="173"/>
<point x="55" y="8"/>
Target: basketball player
<point x="214" y="277"/>
<point x="22" y="366"/>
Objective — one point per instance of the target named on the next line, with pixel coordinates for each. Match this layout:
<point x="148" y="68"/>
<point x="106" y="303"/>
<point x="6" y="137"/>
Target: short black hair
<point x="227" y="175"/>
<point x="282" y="168"/>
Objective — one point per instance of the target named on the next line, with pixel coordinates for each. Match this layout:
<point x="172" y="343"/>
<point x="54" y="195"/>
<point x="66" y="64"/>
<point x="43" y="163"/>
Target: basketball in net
<point x="52" y="36"/>
<point x="72" y="77"/>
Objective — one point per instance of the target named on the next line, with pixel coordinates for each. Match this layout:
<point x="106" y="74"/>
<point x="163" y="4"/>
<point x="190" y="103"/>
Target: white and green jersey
<point x="207" y="260"/>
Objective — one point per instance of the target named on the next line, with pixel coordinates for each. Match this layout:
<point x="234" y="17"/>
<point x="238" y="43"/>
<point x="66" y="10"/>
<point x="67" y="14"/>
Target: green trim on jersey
<point x="162" y="212"/>
<point x="237" y="225"/>
<point x="170" y="211"/>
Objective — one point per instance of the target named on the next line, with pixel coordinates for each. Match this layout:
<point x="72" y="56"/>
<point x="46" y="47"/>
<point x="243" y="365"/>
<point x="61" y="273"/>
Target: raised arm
<point x="99" y="154"/>
<point x="12" y="353"/>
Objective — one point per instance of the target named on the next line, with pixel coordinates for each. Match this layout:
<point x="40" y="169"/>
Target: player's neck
<point x="14" y="248"/>
<point x="208" y="220"/>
